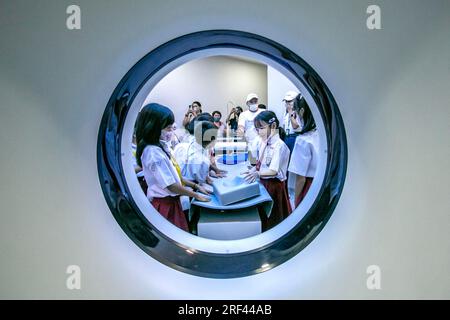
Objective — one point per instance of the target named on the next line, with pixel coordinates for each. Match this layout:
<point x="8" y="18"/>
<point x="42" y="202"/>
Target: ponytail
<point x="309" y="123"/>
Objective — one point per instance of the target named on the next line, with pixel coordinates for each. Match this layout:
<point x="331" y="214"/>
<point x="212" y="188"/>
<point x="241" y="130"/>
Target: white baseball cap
<point x="251" y="96"/>
<point x="290" y="95"/>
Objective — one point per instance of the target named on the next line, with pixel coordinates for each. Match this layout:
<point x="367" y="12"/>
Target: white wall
<point x="277" y="86"/>
<point x="214" y="81"/>
<point x="391" y="86"/>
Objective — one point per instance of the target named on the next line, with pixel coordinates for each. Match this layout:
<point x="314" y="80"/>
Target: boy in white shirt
<point x="193" y="155"/>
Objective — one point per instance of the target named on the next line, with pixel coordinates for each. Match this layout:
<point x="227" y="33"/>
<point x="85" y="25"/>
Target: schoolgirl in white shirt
<point x="303" y="161"/>
<point x="271" y="167"/>
<point x="154" y="131"/>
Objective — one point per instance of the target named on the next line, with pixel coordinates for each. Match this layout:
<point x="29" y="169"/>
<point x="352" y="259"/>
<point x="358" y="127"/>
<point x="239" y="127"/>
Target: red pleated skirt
<point x="281" y="206"/>
<point x="170" y="208"/>
<point x="302" y="194"/>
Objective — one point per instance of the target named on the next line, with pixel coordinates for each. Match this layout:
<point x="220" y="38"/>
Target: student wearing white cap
<point x="304" y="157"/>
<point x="246" y="125"/>
<point x="292" y="123"/>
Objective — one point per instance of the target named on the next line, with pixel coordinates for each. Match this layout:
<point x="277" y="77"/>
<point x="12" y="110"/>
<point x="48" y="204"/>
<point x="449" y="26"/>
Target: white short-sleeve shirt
<point x="305" y="154"/>
<point x="246" y="120"/>
<point x="275" y="156"/>
<point x="193" y="159"/>
<point x="253" y="145"/>
<point x="159" y="172"/>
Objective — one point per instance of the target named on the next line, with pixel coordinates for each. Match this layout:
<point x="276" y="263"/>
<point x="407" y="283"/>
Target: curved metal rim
<point x="174" y="254"/>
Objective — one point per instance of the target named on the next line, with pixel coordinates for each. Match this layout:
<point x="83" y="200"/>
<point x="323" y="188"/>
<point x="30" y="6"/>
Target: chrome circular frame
<point x="175" y="254"/>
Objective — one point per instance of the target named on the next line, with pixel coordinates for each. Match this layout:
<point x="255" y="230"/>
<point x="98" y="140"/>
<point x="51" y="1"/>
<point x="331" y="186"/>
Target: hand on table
<point x="202" y="198"/>
<point x="251" y="175"/>
<point x="221" y="174"/>
<point x="204" y="190"/>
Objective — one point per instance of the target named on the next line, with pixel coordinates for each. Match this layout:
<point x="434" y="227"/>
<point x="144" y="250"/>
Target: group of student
<point x="233" y="121"/>
<point x="183" y="169"/>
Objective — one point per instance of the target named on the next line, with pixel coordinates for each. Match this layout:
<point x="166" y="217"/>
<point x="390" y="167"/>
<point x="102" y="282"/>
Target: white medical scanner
<point x="234" y="190"/>
<point x="374" y="223"/>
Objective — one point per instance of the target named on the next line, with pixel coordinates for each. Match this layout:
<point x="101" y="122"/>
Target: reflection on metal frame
<point x="177" y="255"/>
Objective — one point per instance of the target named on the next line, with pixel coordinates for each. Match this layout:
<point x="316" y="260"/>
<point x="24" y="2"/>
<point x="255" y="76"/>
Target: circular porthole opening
<point x="229" y="235"/>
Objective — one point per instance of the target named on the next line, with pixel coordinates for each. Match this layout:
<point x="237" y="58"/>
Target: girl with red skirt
<point x="154" y="131"/>
<point x="271" y="167"/>
<point x="303" y="161"/>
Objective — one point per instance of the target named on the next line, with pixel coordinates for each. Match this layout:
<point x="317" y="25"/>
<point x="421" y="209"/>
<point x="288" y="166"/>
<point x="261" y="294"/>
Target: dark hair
<point x="151" y="120"/>
<point x="308" y="120"/>
<point x="208" y="132"/>
<point x="197" y="103"/>
<point x="262" y="106"/>
<point x="205" y="116"/>
<point x="239" y="108"/>
<point x="270" y="117"/>
<point x="218" y="112"/>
